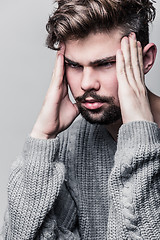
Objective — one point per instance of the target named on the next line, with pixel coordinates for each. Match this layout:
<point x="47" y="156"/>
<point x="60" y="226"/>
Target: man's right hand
<point x="57" y="112"/>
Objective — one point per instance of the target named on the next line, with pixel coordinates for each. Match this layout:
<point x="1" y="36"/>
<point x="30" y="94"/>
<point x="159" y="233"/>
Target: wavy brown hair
<point x="75" y="19"/>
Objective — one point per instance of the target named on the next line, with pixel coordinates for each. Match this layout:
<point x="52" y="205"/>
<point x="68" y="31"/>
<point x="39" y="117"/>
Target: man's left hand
<point x="132" y="92"/>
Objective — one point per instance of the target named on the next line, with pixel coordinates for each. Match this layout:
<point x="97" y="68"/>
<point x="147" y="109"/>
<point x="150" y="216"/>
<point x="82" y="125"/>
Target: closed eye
<point x="106" y="64"/>
<point x="72" y="65"/>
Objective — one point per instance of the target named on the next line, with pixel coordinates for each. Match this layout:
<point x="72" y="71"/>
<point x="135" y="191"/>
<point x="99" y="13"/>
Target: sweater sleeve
<point x="34" y="184"/>
<point x="134" y="184"/>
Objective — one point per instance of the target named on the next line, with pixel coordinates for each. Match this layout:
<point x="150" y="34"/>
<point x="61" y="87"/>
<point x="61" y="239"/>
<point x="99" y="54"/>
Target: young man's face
<point x="91" y="75"/>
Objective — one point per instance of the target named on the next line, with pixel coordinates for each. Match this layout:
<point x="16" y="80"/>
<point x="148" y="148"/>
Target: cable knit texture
<point x="84" y="185"/>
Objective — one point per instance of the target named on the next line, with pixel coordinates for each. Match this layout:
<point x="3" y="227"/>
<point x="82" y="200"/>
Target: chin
<point x="102" y="116"/>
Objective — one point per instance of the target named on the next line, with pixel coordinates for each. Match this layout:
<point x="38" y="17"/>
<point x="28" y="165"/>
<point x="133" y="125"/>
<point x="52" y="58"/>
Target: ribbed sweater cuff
<point x="41" y="149"/>
<point x="138" y="133"/>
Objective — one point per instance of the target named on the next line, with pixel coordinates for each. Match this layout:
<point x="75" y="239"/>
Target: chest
<point x="88" y="181"/>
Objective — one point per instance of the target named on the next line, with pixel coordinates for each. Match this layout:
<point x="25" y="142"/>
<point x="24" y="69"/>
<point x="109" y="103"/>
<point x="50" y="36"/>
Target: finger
<point x="125" y="46"/>
<point x="120" y="68"/>
<point x="59" y="52"/>
<point x="58" y="73"/>
<point x="140" y="56"/>
<point x="62" y="49"/>
<point x="59" y="69"/>
<point x="135" y="58"/>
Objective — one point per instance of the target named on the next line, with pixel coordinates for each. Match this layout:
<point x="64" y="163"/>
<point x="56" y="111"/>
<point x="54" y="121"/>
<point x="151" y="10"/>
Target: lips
<point x="92" y="104"/>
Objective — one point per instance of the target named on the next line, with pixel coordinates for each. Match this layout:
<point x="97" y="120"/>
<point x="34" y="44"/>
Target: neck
<point x="114" y="128"/>
<point x="155" y="109"/>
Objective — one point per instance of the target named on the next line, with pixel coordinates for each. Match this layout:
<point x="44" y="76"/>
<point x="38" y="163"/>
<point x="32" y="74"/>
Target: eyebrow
<point x="93" y="63"/>
<point x="71" y="61"/>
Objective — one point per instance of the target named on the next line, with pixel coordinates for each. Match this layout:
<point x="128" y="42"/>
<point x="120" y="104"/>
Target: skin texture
<point x="131" y="82"/>
<point x="57" y="112"/>
<point x="94" y="74"/>
<point x="121" y="78"/>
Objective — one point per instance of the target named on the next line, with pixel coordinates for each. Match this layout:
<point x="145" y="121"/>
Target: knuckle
<point x="122" y="72"/>
<point x="128" y="65"/>
<point x="143" y="91"/>
<point x="136" y="63"/>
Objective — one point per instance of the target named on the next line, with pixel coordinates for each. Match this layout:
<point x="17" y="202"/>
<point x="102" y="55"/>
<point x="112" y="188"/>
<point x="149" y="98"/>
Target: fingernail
<point x="62" y="47"/>
<point x="126" y="40"/>
<point x="139" y="44"/>
<point x="132" y="35"/>
<point x="119" y="52"/>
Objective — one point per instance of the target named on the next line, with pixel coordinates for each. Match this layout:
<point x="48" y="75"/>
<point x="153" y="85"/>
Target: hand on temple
<point x="131" y="88"/>
<point x="57" y="112"/>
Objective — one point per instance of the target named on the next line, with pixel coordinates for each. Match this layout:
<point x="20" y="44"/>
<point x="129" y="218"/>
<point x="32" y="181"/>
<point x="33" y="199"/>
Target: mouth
<point x="92" y="104"/>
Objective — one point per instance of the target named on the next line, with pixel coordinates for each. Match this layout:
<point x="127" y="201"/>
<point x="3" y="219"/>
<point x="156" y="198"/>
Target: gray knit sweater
<point x="84" y="185"/>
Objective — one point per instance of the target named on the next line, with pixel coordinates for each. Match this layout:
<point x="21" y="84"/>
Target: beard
<point x="104" y="115"/>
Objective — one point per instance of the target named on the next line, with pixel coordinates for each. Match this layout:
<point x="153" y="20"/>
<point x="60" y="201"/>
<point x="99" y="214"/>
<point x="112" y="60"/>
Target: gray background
<point x="25" y="71"/>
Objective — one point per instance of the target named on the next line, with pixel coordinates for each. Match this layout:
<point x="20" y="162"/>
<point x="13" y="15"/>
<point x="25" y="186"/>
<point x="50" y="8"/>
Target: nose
<point x="89" y="80"/>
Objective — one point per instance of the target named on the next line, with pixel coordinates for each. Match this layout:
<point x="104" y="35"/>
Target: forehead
<point x="94" y="46"/>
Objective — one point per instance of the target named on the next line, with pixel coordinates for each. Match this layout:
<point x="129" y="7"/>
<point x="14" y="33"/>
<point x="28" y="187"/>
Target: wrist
<point x="138" y="134"/>
<point x="41" y="135"/>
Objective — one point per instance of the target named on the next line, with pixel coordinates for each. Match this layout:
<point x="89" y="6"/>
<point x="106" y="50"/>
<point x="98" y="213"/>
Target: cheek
<point x="73" y="79"/>
<point x="110" y="82"/>
<point x="114" y="88"/>
<point x="109" y="86"/>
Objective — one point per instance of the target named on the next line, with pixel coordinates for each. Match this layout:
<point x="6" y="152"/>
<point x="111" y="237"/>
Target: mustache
<point x="96" y="97"/>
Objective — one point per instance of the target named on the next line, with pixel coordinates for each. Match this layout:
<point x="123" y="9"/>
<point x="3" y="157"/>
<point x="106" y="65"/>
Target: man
<point x="100" y="178"/>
